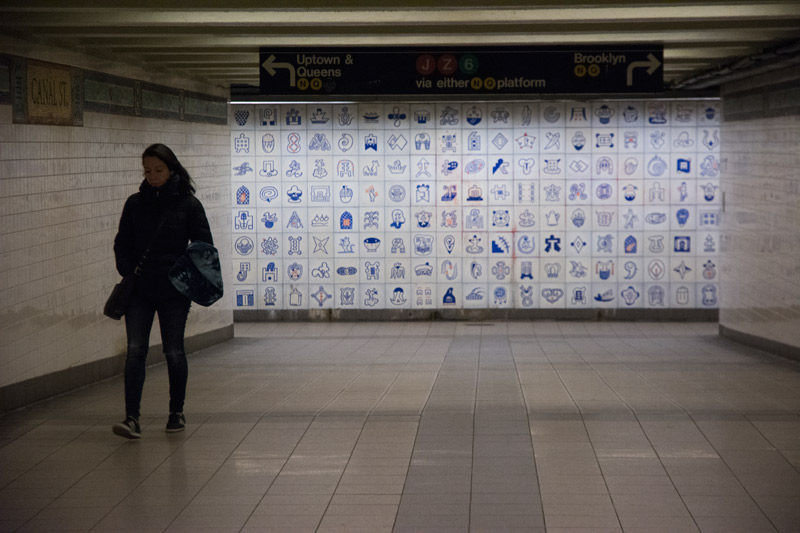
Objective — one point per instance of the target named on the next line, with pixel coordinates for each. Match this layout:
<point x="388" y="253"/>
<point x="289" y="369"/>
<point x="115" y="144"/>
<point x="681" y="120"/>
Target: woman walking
<point x="162" y="217"/>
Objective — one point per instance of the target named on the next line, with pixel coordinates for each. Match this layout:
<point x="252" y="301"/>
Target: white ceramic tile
<point x="658" y="140"/>
<point x="62" y="263"/>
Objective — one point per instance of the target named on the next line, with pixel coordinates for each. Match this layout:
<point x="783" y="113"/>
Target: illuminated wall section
<point x="601" y="204"/>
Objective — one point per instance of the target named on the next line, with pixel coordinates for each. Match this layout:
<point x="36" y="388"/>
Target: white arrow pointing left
<point x="652" y="63"/>
<point x="270" y="65"/>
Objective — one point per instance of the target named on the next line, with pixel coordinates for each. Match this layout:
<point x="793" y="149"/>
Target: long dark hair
<point x="163" y="152"/>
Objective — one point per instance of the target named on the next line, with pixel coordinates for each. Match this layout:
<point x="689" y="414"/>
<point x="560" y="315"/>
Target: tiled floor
<point x="521" y="426"/>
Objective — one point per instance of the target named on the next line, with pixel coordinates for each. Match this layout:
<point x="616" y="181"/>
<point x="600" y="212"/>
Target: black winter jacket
<point x="185" y="221"/>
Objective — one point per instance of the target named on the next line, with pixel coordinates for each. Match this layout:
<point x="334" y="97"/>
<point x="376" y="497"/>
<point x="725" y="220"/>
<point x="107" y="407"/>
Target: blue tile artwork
<point x="538" y="205"/>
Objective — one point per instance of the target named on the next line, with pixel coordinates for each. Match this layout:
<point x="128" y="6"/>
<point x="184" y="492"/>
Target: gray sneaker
<point x="176" y="423"/>
<point x="129" y="428"/>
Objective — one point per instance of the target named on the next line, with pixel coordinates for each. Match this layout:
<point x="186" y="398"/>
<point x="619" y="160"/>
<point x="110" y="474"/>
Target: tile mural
<point x="553" y="204"/>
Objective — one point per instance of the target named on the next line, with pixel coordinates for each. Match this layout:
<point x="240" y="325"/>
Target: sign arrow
<point x="270" y="65"/>
<point x="652" y="63"/>
<point x="369" y="71"/>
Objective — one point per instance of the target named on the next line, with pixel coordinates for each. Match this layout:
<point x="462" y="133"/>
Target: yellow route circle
<point x="490" y="83"/>
<point x="594" y="70"/>
<point x="302" y="84"/>
<point x="580" y="70"/>
<point x="316" y="84"/>
<point x="476" y="83"/>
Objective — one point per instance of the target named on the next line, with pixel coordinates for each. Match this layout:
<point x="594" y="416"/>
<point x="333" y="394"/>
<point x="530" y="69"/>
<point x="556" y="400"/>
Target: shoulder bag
<point x="197" y="274"/>
<point x="120" y="298"/>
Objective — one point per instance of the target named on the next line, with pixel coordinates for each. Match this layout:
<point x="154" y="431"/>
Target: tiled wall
<point x="526" y="205"/>
<point x="761" y="220"/>
<point x="61" y="194"/>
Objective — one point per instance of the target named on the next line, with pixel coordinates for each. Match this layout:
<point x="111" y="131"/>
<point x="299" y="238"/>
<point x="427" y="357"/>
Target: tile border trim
<point x="388" y="315"/>
<point x="5" y="80"/>
<point x="115" y="95"/>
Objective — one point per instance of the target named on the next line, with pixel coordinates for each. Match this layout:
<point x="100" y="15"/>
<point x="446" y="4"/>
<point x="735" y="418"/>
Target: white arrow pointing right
<point x="652" y="63"/>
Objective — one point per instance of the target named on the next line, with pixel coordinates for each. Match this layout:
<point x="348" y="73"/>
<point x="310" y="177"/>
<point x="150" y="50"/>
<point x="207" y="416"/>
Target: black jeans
<point x="139" y="317"/>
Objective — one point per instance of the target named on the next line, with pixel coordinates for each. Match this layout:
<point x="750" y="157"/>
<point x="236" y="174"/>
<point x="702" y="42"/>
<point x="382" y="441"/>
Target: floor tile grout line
<point x="366" y="419"/>
<point x="42" y="423"/>
<point x="421" y="417"/>
<point x="705" y="437"/>
<point x="475" y="403"/>
<point x="313" y="418"/>
<point x="143" y="480"/>
<point x="117" y="449"/>
<point x="589" y="438"/>
<point x="66" y="394"/>
<point x="796" y="468"/>
<point x="416" y="435"/>
<point x="266" y="414"/>
<point x="319" y="374"/>
<point x="644" y="433"/>
<point x="722" y="459"/>
<point x="530" y="434"/>
<point x="189" y="435"/>
<point x="263" y="415"/>
<point x="349" y="458"/>
<point x="710" y="363"/>
<point x="53" y="500"/>
<point x="226" y="460"/>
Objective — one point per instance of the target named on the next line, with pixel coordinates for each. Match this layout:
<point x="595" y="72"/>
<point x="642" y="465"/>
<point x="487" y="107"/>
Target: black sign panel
<point x="501" y="70"/>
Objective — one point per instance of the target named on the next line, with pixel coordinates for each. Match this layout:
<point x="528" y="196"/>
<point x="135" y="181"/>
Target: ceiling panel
<point x="218" y="42"/>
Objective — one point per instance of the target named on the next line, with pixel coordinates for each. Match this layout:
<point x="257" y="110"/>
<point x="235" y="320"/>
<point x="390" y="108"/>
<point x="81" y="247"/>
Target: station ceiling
<point x="218" y="42"/>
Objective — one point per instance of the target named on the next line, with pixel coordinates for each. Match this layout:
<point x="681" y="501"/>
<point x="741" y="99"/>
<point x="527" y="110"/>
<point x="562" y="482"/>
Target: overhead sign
<point x="501" y="70"/>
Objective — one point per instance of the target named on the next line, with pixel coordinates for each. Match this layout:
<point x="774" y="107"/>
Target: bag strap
<point x="138" y="269"/>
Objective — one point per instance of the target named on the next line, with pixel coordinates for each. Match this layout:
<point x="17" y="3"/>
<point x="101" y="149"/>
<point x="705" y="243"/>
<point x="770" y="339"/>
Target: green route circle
<point x="468" y="64"/>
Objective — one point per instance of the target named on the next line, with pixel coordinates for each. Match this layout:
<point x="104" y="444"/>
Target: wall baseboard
<point x="39" y="388"/>
<point x="773" y="347"/>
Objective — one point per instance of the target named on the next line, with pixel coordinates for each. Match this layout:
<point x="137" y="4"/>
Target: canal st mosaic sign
<point x="312" y="72"/>
<point x="45" y="93"/>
